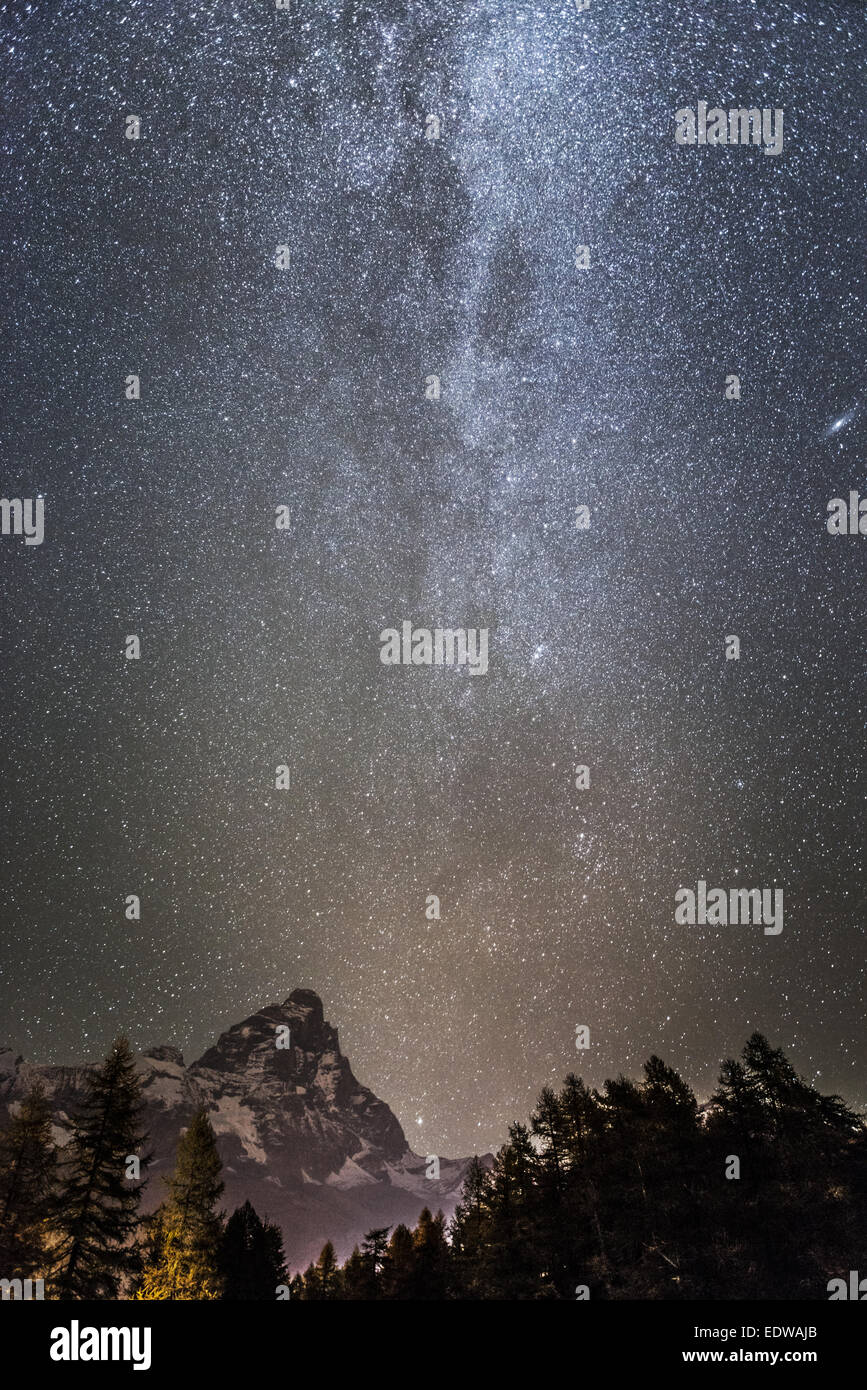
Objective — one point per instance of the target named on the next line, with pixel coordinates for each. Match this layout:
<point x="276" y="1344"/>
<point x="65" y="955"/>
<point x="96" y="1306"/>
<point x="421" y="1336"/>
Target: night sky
<point x="561" y="387"/>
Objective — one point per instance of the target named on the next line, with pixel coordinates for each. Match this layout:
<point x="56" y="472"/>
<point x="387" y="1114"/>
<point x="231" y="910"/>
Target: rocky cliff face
<point x="308" y="1145"/>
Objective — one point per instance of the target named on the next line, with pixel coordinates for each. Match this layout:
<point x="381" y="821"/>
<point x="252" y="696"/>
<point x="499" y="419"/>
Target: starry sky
<point x="305" y="387"/>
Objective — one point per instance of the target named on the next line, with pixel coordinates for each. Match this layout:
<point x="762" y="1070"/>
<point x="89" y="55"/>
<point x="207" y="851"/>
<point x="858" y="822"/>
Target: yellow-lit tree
<point x="183" y="1256"/>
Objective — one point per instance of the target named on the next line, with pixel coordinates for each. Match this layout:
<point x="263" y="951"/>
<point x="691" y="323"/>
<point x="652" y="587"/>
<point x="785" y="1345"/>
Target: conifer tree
<point x="667" y="1095"/>
<point x="97" y="1209"/>
<point x="186" y="1233"/>
<point x="28" y="1173"/>
<point x="467" y="1231"/>
<point x="524" y="1161"/>
<point x="736" y="1104"/>
<point x="401" y="1264"/>
<point x="356" y="1276"/>
<point x="430" y="1257"/>
<point x="510" y="1264"/>
<point x="273" y="1253"/>
<point x="550" y="1126"/>
<point x="328" y="1273"/>
<point x="251" y="1256"/>
<point x="367" y="1271"/>
<point x="582" y="1119"/>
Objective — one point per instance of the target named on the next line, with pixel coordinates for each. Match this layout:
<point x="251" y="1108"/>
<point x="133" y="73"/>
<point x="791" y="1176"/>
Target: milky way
<point x="305" y="387"/>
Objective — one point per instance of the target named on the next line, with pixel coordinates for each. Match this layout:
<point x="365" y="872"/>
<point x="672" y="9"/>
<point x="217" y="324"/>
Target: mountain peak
<point x="282" y="1040"/>
<point x="305" y="1001"/>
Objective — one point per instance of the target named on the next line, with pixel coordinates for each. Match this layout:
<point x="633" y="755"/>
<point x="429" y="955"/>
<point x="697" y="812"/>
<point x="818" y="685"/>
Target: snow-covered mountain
<point x="309" y="1146"/>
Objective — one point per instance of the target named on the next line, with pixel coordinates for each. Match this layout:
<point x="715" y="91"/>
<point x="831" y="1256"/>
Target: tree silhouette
<point x="251" y="1256"/>
<point x="28" y="1175"/>
<point x="97" y="1210"/>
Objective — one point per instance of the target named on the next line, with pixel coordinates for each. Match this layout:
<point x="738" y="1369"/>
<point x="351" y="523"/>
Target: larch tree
<point x="184" y="1257"/>
<point x="97" y="1209"/>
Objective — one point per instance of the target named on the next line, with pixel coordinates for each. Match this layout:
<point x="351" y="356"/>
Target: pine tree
<point x="273" y="1253"/>
<point x="328" y="1273"/>
<point x="510" y="1261"/>
<point x="374" y="1263"/>
<point x="28" y="1173"/>
<point x="401" y="1264"/>
<point x="550" y="1125"/>
<point x="474" y="1192"/>
<point x="251" y="1256"/>
<point x="736" y="1104"/>
<point x="97" y="1210"/>
<point x="524" y="1161"/>
<point x="468" y="1232"/>
<point x="186" y="1234"/>
<point x="431" y="1257"/>
<point x="356" y="1278"/>
<point x="667" y="1095"/>
<point x="582" y="1118"/>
